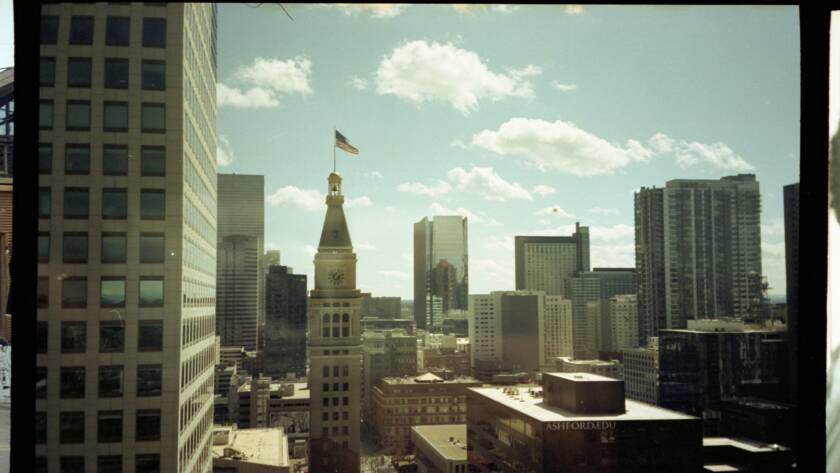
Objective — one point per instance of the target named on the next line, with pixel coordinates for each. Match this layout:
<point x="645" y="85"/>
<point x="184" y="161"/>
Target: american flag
<point x="342" y="143"/>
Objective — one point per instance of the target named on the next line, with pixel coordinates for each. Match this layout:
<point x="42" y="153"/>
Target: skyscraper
<point x="792" y="279"/>
<point x="240" y="249"/>
<point x="285" y="323"/>
<point x="589" y="286"/>
<point x="698" y="251"/>
<point x="127" y="215"/>
<point x="545" y="263"/>
<point x="440" y="268"/>
<point x="335" y="345"/>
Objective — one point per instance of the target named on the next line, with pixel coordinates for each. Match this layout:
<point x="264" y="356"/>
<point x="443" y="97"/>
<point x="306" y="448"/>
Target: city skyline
<point x="428" y="148"/>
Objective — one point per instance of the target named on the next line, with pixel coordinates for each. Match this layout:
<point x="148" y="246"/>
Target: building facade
<point x="641" y="372"/>
<point x="381" y="307"/>
<point x="698" y="251"/>
<point x="441" y="279"/>
<point x="386" y="354"/>
<point x="559" y="327"/>
<point x="7" y="154"/>
<point x="611" y="369"/>
<point x="284" y="352"/>
<point x="263" y="402"/>
<point x="546" y="263"/>
<point x="440" y="448"/>
<point x="599" y="284"/>
<point x="335" y="349"/>
<point x="127" y="229"/>
<point x="791" y="195"/>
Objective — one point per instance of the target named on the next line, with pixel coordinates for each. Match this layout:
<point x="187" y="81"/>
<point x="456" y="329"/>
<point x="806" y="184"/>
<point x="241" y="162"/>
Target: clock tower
<point x="335" y="352"/>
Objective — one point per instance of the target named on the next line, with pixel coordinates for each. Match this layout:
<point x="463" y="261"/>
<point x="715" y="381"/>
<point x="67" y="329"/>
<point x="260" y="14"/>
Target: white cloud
<point x="471" y="7"/>
<point x="409" y="257"/>
<point x="270" y="245"/>
<point x="688" y="154"/>
<point x="365" y="246"/>
<point x="603" y="211"/>
<point x="309" y="200"/>
<point x="488" y="184"/>
<point x="419" y="71"/>
<point x="544" y="190"/>
<point x="774" y="228"/>
<point x="773" y="266"/>
<point x="377" y="10"/>
<point x="309" y="250"/>
<point x="395" y="274"/>
<point x="619" y="255"/>
<point x="613" y="233"/>
<point x="564" y="87"/>
<point x="478" y="218"/>
<point x="358" y="202"/>
<point x="375" y="174"/>
<point x="390" y="209"/>
<point x="265" y="81"/>
<point x="573" y="9"/>
<point x="438" y="189"/>
<point x="559" y="145"/>
<point x="555" y="211"/>
<point x="499" y="243"/>
<point x="224" y="152"/>
<point x="358" y="83"/>
<point x="491" y="274"/>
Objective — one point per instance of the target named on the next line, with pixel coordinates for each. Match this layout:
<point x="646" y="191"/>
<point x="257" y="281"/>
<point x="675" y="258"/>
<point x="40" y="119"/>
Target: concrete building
<point x="335" y="351"/>
<point x="698" y="251"/>
<point x="641" y="372"/>
<point x="284" y="352"/>
<point x="791" y="196"/>
<point x="546" y="263"/>
<point x="240" y="249"/>
<point x="613" y="324"/>
<point x="436" y="360"/>
<point x="264" y="450"/>
<point x="263" y="402"/>
<point x="599" y="284"/>
<point x="371" y="323"/>
<point x="441" y="275"/>
<point x="559" y="327"/>
<point x="381" y="307"/>
<point x="577" y="422"/>
<point x="268" y="259"/>
<point x="759" y="420"/>
<point x="726" y="454"/>
<point x="386" y="354"/>
<point x="397" y="404"/>
<point x="611" y="369"/>
<point x="440" y="448"/>
<point x="127" y="209"/>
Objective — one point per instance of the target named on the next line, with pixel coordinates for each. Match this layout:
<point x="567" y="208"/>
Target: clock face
<point x="336" y="277"/>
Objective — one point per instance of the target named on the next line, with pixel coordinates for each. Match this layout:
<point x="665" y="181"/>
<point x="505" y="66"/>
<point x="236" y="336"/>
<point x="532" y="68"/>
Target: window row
<point x="115" y="73"/>
<point x="117" y="31"/>
<point x="326" y="401"/>
<point x="111" y="381"/>
<point x="74" y="247"/>
<point x="325" y="416"/>
<point x="335" y="387"/>
<point x="77" y="159"/>
<point x="337" y="331"/>
<point x="114" y="116"/>
<point x="325" y="371"/>
<point x="74" y="292"/>
<point x="111" y="336"/>
<point x="109" y="426"/>
<point x="143" y="463"/>
<point x="114" y="203"/>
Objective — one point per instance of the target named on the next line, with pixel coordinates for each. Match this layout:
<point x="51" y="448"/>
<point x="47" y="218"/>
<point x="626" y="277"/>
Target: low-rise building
<point x="397" y="404"/>
<point x="611" y="369"/>
<point x="641" y="372"/>
<point x="250" y="450"/>
<point x="387" y="353"/>
<point x="440" y="448"/>
<point x="262" y="402"/>
<point x="373" y="323"/>
<point x="458" y="362"/>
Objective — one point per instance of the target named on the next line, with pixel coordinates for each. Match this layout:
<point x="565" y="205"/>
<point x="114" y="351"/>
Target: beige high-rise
<point x="127" y="232"/>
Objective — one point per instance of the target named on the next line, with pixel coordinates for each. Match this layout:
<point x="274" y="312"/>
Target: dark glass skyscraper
<point x="285" y="323"/>
<point x="440" y="268"/>
<point x="792" y="279"/>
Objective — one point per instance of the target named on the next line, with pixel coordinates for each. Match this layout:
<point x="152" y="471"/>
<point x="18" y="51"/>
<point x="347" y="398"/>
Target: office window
<point x="46" y="74"/>
<point x="49" y="29"/>
<point x="71" y="428"/>
<point x="345" y="370"/>
<point x="76" y="159"/>
<point x="73" y="337"/>
<point x="40" y="464"/>
<point x="152" y="161"/>
<point x="109" y="464"/>
<point x="75" y="247"/>
<point x="153" y="117"/>
<point x="116" y="73"/>
<point x="45" y="156"/>
<point x="152" y="204"/>
<point x="43" y="292"/>
<point x="114" y="204"/>
<point x="74" y="292"/>
<point x="109" y="426"/>
<point x="73" y="464"/>
<point x="44" y="202"/>
<point x="72" y="382"/>
<point x="45" y="114"/>
<point x="148" y="424"/>
<point x="151" y="291"/>
<point x="81" y="30"/>
<point x="78" y="71"/>
<point x="115" y="116"/>
<point x="325" y="402"/>
<point x="154" y="32"/>
<point x="147" y="463"/>
<point x="41" y="341"/>
<point x="151" y="248"/>
<point x="344" y="415"/>
<point x="153" y="75"/>
<point x="117" y="30"/>
<point x="40" y="427"/>
<point x="345" y="387"/>
<point x="112" y="291"/>
<point x="150" y="335"/>
<point x="113" y="248"/>
<point x="325" y="371"/>
<point x="78" y="115"/>
<point x="111" y="337"/>
<point x="43" y="247"/>
<point x="40" y="382"/>
<point x="110" y="381"/>
<point x="149" y="380"/>
<point x="115" y="160"/>
<point x="76" y="202"/>
<point x="325" y="416"/>
<point x="326" y="387"/>
<point x="344" y="401"/>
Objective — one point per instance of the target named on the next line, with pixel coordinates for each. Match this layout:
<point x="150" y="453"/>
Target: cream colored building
<point x="127" y="229"/>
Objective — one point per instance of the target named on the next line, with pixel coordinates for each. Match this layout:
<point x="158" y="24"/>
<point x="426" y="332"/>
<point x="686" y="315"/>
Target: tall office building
<point x="792" y="279"/>
<point x="240" y="249"/>
<point x="270" y="258"/>
<point x="546" y="263"/>
<point x="335" y="345"/>
<point x="440" y="269"/>
<point x="285" y="323"/>
<point x="589" y="286"/>
<point x="127" y="230"/>
<point x="698" y="251"/>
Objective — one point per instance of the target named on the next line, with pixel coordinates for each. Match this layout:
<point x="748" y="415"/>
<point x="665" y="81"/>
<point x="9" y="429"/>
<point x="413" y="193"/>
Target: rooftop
<point x="720" y="468"/>
<point x="743" y="444"/>
<point x="301" y="390"/>
<point x="594" y="362"/>
<point x="262" y="446"/>
<point x="528" y="400"/>
<point x="449" y="441"/>
<point x="429" y="378"/>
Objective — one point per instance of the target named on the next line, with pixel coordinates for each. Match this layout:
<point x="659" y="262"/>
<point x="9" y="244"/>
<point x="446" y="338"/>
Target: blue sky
<point x="525" y="119"/>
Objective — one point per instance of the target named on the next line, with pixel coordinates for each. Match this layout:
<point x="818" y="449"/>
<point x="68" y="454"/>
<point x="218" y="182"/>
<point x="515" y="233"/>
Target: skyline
<point x="535" y="128"/>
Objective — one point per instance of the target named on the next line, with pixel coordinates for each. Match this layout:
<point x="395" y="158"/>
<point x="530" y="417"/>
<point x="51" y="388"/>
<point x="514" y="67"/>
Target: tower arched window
<point x="335" y="318"/>
<point x="345" y="318"/>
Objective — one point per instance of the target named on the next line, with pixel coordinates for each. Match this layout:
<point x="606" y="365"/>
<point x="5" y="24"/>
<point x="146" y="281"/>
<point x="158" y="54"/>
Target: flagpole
<point x="334" y="131"/>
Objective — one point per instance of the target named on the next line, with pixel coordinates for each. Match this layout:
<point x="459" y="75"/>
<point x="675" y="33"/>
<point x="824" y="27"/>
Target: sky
<point x="526" y="119"/>
<point x="7" y="34"/>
